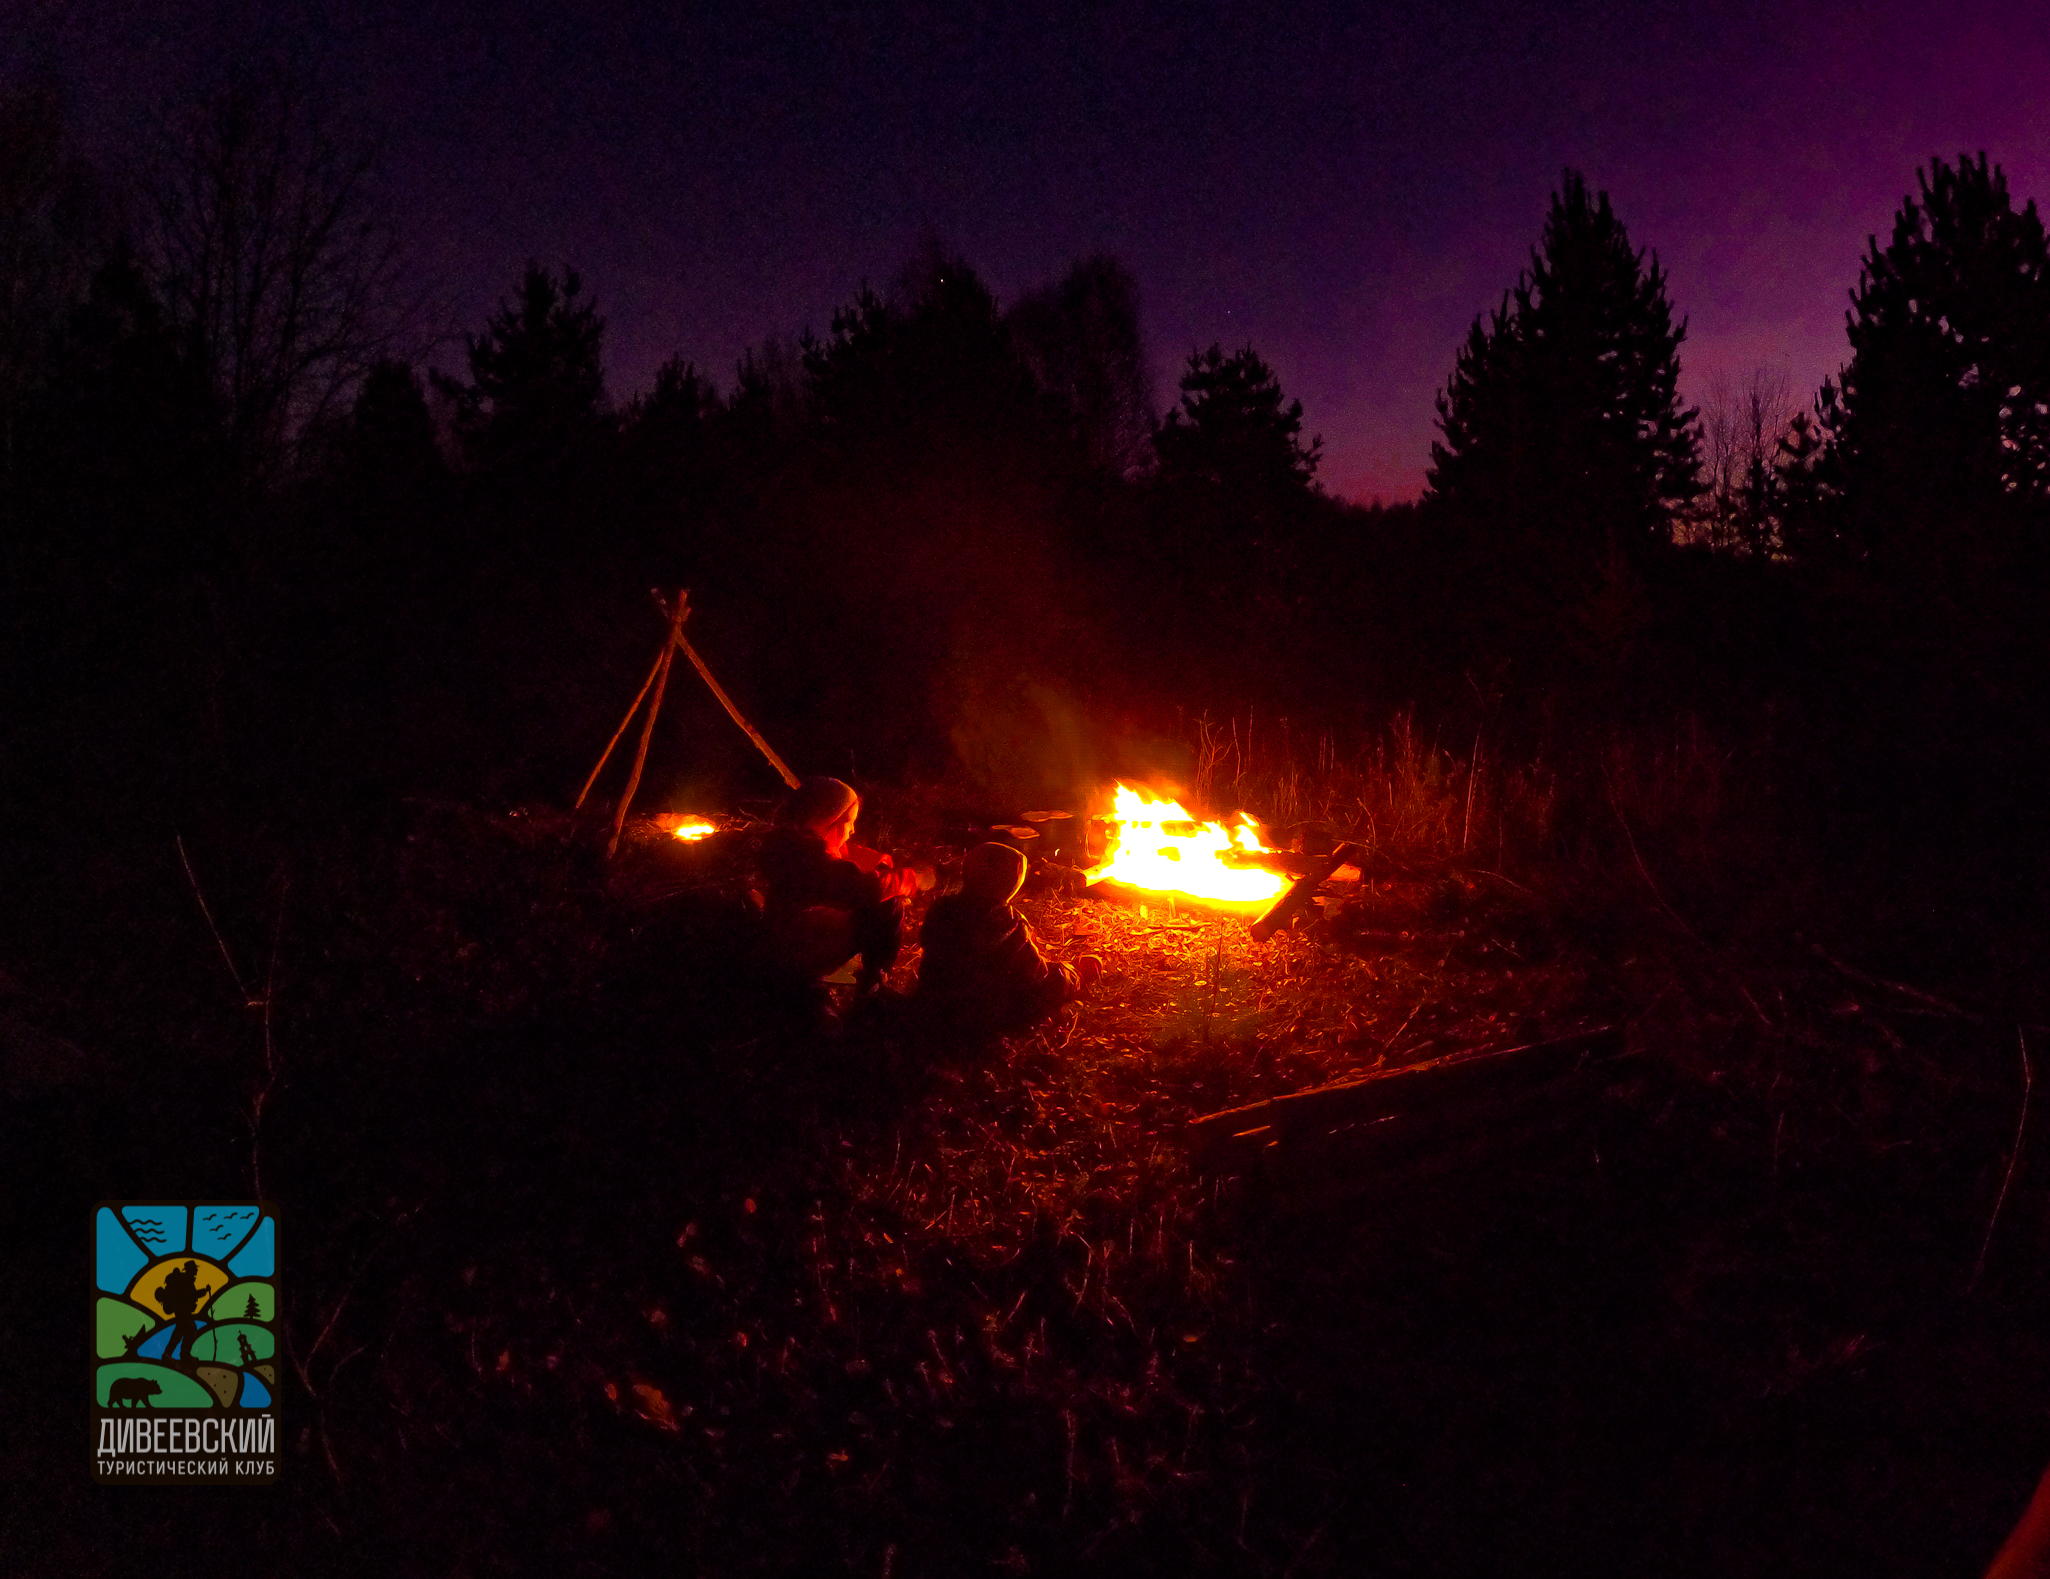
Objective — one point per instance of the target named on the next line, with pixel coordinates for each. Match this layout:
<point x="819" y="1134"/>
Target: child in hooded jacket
<point x="983" y="972"/>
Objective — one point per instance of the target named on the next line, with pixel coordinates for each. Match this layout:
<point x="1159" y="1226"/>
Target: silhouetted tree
<point x="669" y="441"/>
<point x="111" y="561"/>
<point x="1234" y="496"/>
<point x="682" y="402"/>
<point x="382" y="516"/>
<point x="536" y="392"/>
<point x="1230" y="431"/>
<point x="1806" y="509"/>
<point x="1744" y="427"/>
<point x="1081" y="339"/>
<point x="1928" y="508"/>
<point x="912" y="513"/>
<point x="1563" y="436"/>
<point x="47" y="208"/>
<point x="128" y="444"/>
<point x="932" y="367"/>
<point x="390" y="444"/>
<point x="1938" y="430"/>
<point x="273" y="260"/>
<point x="770" y="397"/>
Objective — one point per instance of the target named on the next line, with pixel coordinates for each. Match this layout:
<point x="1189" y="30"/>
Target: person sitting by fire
<point x="827" y="899"/>
<point x="983" y="973"/>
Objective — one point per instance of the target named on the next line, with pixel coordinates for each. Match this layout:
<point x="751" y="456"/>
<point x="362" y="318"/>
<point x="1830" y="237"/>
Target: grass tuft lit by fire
<point x="1079" y="1126"/>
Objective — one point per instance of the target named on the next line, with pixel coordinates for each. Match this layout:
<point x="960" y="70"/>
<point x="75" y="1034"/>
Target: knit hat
<point x="819" y="801"/>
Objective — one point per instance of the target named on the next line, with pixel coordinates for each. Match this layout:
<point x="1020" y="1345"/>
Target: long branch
<point x="2013" y="1157"/>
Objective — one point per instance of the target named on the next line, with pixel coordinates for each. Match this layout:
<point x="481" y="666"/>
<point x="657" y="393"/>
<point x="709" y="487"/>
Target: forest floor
<point x="593" y="1262"/>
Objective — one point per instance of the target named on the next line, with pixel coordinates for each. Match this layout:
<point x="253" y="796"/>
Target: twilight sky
<point x="1343" y="186"/>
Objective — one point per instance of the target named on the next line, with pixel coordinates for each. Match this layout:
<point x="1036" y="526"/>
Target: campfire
<point x="687" y="826"/>
<point x="1156" y="847"/>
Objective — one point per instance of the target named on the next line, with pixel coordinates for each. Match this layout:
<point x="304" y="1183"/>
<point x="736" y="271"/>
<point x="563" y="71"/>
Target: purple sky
<point x="1343" y="186"/>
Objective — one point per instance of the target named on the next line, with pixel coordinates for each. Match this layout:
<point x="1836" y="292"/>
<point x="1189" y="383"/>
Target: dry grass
<point x="1074" y="1136"/>
<point x="1036" y="1207"/>
<point x="724" y="1297"/>
<point x="1191" y="1017"/>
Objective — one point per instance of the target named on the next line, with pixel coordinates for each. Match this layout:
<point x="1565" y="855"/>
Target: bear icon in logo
<point x="132" y="1391"/>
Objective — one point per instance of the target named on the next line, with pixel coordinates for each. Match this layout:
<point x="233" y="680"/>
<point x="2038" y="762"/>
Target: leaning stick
<point x="725" y="701"/>
<point x="605" y="756"/>
<point x="2013" y="1157"/>
<point x="633" y="781"/>
<point x="1295" y="899"/>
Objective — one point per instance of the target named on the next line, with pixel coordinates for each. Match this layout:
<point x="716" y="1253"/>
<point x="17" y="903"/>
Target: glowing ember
<point x="1157" y="845"/>
<point x="690" y="827"/>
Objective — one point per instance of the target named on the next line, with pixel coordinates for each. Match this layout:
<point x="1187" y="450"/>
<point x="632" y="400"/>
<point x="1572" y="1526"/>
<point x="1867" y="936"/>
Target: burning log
<point x="1296" y="900"/>
<point x="1157" y="850"/>
<point x="1289" y="863"/>
<point x="1154" y="850"/>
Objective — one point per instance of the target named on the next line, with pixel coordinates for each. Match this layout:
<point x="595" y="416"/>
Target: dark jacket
<point x="819" y="909"/>
<point x="797" y="873"/>
<point x="983" y="969"/>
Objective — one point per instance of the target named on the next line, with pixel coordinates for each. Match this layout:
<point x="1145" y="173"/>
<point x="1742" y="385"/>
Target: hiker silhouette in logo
<point x="181" y="1299"/>
<point x="132" y="1392"/>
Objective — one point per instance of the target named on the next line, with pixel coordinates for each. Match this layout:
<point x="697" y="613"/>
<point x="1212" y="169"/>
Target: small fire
<point x="1157" y="845"/>
<point x="689" y="827"/>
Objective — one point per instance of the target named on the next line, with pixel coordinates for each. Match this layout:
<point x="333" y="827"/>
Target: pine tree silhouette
<point x="1938" y="429"/>
<point x="1563" y="433"/>
<point x="252" y="1311"/>
<point x="1232" y="430"/>
<point x="537" y="382"/>
<point x="1237" y="481"/>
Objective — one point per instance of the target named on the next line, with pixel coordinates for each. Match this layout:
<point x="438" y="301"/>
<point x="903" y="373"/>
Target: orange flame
<point x="1157" y="845"/>
<point x="690" y="827"/>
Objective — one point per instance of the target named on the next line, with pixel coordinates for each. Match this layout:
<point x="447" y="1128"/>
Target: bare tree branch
<point x="275" y="260"/>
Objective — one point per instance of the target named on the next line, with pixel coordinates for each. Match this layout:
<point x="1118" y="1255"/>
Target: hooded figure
<point x="822" y="904"/>
<point x="983" y="973"/>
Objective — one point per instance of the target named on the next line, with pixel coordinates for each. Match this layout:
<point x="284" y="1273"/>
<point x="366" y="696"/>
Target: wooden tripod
<point x="658" y="682"/>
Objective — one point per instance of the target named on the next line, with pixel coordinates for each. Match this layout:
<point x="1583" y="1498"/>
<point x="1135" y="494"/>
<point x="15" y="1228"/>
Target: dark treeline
<point x="254" y="557"/>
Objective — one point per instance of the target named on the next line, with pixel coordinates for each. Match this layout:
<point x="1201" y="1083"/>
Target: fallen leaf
<point x="652" y="1407"/>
